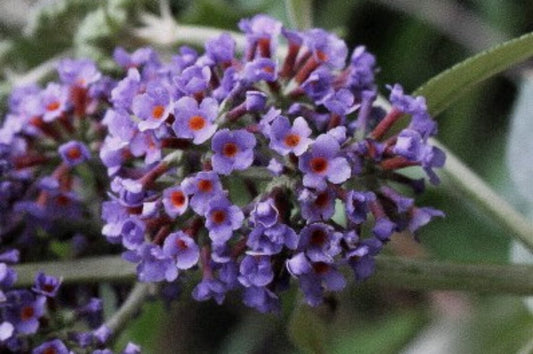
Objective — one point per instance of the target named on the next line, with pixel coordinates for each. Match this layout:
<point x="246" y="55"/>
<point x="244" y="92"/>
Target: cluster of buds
<point x="256" y="170"/>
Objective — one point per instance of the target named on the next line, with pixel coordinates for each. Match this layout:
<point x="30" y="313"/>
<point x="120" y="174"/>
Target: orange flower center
<point x="27" y="313"/>
<point x="196" y="123"/>
<point x="52" y="106"/>
<point x="319" y="164"/>
<point x="74" y="153"/>
<point x="230" y="149"/>
<point x="321" y="55"/>
<point x="50" y="350"/>
<point x="205" y="185"/>
<point x="219" y="216"/>
<point x="322" y="200"/>
<point x="182" y="245"/>
<point x="157" y="112"/>
<point x="292" y="140"/>
<point x="318" y="237"/>
<point x="177" y="198"/>
<point x="320" y="267"/>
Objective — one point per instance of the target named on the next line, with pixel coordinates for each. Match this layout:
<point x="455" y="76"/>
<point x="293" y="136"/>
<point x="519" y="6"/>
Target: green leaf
<point x="388" y="335"/>
<point x="300" y="13"/>
<point x="307" y="330"/>
<point x="452" y="84"/>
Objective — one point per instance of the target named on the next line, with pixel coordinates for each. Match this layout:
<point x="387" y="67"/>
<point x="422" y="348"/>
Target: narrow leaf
<point x="307" y="330"/>
<point x="451" y="84"/>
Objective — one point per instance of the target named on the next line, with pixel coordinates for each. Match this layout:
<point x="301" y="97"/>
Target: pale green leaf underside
<point x="445" y="88"/>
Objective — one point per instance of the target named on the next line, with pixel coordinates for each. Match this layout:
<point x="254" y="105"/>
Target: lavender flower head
<point x="236" y="167"/>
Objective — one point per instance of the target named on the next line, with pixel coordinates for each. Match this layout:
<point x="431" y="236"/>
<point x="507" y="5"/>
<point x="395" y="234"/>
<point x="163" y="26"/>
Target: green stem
<point x="425" y="275"/>
<point x="391" y="271"/>
<point x="473" y="189"/>
<point x="128" y="310"/>
<point x="87" y="270"/>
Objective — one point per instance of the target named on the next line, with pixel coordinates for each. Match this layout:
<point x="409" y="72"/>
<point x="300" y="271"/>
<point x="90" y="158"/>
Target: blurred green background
<point x="413" y="41"/>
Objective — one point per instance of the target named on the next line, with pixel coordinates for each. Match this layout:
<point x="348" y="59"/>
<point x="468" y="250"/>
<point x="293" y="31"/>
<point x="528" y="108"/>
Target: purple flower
<point x="6" y="331"/>
<point x="362" y="67"/>
<point x="74" y="152"/>
<point x="102" y="334"/>
<point x="341" y="102"/>
<point x="319" y="84"/>
<point x="255" y="101"/>
<point x="269" y="241"/>
<point x="260" y="69"/>
<point x="320" y="242"/>
<point x="55" y="346"/>
<point x="25" y="310"/>
<point x="261" y="299"/>
<point x="361" y="258"/>
<point x="154" y="265"/>
<point x="82" y="72"/>
<point x="175" y="201"/>
<point x="421" y="216"/>
<point x="122" y="95"/>
<point x="153" y="107"/>
<point x="316" y="206"/>
<point x="54" y="101"/>
<point x="357" y="205"/>
<point x="182" y="248"/>
<point x="285" y="139"/>
<point x="114" y="216"/>
<point x="136" y="59"/>
<point x="193" y="80"/>
<point x="233" y="150"/>
<point x="326" y="47"/>
<point x="265" y="213"/>
<point x="209" y="289"/>
<point x="221" y="49"/>
<point x="261" y="34"/>
<point x="204" y="186"/>
<point x="256" y="271"/>
<point x="222" y="218"/>
<point x="383" y="228"/>
<point x="132" y="348"/>
<point x="314" y="278"/>
<point x="323" y="162"/>
<point x="406" y="103"/>
<point x="133" y="230"/>
<point x="195" y="120"/>
<point x="46" y="285"/>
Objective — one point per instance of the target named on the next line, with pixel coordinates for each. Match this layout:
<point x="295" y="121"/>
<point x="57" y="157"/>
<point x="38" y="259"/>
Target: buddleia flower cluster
<point x="50" y="177"/>
<point x="248" y="172"/>
<point x="51" y="187"/>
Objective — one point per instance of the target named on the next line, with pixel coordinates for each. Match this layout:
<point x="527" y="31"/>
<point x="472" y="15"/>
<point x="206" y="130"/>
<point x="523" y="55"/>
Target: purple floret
<point x="46" y="285"/>
<point x="222" y="218"/>
<point x="182" y="248"/>
<point x="153" y="107"/>
<point x="203" y="186"/>
<point x="233" y="150"/>
<point x="324" y="163"/>
<point x="175" y="201"/>
<point x="74" y="152"/>
<point x="285" y="139"/>
<point x="25" y="310"/>
<point x="55" y="346"/>
<point x="195" y="120"/>
<point x="221" y="49"/>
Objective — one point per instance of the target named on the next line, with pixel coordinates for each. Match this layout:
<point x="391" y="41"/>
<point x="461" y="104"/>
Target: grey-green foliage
<point x="101" y="29"/>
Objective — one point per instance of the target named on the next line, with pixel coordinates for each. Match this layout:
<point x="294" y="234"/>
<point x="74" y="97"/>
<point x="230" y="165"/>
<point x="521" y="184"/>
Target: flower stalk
<point x="390" y="271"/>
